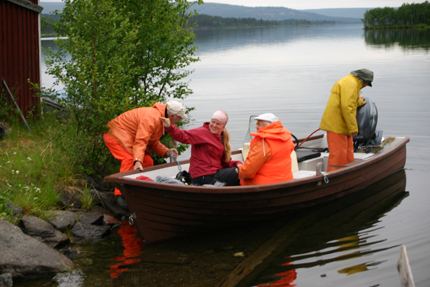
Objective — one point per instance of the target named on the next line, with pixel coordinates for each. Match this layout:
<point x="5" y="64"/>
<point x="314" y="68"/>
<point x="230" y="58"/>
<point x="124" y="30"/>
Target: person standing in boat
<point x="132" y="132"/>
<point x="269" y="157"/>
<point x="339" y="118"/>
<point x="210" y="161"/>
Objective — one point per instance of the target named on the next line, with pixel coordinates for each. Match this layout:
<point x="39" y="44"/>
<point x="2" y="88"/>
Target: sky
<point x="315" y="4"/>
<point x="309" y="4"/>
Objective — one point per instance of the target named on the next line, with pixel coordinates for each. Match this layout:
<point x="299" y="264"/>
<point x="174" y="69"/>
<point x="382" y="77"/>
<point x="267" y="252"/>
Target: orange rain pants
<point x="126" y="159"/>
<point x="341" y="148"/>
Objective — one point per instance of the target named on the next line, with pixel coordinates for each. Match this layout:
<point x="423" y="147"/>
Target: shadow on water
<point x="339" y="231"/>
<point x="408" y="39"/>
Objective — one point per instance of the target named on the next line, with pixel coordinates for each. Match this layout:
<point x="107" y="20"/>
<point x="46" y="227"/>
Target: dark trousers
<point x="230" y="176"/>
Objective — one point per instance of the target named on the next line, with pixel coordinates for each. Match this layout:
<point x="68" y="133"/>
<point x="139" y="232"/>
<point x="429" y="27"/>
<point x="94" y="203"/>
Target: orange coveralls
<point x="132" y="132"/>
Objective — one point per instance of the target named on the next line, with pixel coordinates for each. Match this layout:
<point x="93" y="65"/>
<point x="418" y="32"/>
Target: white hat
<point x="268" y="117"/>
<point x="176" y="108"/>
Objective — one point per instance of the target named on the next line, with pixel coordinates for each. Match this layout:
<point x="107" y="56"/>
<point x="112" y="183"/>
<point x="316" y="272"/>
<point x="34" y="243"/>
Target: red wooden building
<point x="20" y="51"/>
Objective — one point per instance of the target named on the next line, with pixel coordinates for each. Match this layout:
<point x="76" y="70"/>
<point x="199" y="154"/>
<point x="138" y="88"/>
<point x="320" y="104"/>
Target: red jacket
<point x="269" y="157"/>
<point x="207" y="150"/>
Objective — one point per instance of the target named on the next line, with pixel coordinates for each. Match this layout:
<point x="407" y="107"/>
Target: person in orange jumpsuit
<point x="132" y="132"/>
<point x="269" y="157"/>
<point x="339" y="118"/>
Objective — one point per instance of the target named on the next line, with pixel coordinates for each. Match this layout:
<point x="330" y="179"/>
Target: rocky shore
<point x="35" y="246"/>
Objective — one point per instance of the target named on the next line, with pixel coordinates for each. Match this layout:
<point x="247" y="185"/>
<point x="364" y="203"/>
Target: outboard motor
<point x="367" y="118"/>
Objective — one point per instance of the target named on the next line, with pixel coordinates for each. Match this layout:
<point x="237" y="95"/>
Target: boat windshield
<point x="251" y="129"/>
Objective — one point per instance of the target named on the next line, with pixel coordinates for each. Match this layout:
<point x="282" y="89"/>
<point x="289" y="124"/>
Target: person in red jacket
<point x="132" y="132"/>
<point x="269" y="157"/>
<point x="210" y="151"/>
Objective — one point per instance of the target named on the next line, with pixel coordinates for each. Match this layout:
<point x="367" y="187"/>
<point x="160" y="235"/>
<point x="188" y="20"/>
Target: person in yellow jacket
<point x="269" y="157"/>
<point x="339" y="118"/>
<point x="132" y="132"/>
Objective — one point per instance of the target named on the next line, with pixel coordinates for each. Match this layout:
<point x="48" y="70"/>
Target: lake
<point x="289" y="71"/>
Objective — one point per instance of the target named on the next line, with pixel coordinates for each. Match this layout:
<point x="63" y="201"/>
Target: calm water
<point x="289" y="72"/>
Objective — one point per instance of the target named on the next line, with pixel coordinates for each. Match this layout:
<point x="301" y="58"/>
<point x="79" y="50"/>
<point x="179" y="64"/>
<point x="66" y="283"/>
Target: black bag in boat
<point x="184" y="177"/>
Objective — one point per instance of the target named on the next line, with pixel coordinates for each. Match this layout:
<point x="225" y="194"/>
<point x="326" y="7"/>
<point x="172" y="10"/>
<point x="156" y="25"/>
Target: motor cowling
<point x="367" y="119"/>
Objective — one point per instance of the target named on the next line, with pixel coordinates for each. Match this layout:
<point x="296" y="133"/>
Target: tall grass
<point x="32" y="166"/>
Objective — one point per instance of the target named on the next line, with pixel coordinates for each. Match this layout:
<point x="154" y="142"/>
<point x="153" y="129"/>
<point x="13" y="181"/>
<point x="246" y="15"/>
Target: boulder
<point x="84" y="232"/>
<point x="63" y="220"/>
<point x="43" y="231"/>
<point x="6" y="280"/>
<point x="22" y="255"/>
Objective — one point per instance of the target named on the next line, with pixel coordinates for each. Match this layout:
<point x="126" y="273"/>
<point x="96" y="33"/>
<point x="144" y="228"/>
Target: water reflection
<point x="343" y="232"/>
<point x="407" y="39"/>
<point x="133" y="247"/>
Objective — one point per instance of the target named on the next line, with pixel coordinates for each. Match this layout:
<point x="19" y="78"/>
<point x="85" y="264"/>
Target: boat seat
<point x="305" y="154"/>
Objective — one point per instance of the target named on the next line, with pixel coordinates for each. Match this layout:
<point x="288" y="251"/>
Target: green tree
<point x="118" y="55"/>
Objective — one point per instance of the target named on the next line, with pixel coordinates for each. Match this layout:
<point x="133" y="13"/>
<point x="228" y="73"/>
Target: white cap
<point x="268" y="117"/>
<point x="176" y="108"/>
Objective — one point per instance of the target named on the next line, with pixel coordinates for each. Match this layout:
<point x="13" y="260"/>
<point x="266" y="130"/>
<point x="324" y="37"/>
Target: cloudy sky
<point x="309" y="4"/>
<point x="316" y="4"/>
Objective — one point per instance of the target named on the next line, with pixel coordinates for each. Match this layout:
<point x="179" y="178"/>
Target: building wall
<point x="20" y="50"/>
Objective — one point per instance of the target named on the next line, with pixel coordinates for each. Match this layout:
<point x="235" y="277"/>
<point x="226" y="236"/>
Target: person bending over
<point x="132" y="132"/>
<point x="339" y="118"/>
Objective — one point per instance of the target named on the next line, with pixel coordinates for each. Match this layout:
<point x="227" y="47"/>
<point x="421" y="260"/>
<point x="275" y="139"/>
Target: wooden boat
<point x="164" y="211"/>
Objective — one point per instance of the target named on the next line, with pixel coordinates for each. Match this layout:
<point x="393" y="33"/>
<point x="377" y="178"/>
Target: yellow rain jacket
<point x="341" y="110"/>
<point x="138" y="129"/>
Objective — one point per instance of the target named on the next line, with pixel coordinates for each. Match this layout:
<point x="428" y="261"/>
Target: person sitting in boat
<point x="269" y="157"/>
<point x="132" y="132"/>
<point x="210" y="161"/>
<point x="339" y="118"/>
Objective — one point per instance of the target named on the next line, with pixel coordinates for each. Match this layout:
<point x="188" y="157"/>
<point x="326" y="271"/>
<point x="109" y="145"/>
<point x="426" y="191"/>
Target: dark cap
<point x="364" y="75"/>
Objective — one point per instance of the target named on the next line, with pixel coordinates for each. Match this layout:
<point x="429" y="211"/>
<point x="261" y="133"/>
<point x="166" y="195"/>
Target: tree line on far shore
<point x="406" y="16"/>
<point x="203" y="21"/>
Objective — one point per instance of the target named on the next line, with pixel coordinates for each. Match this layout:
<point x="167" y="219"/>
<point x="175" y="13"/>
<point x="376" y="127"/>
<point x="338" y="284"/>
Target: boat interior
<point x="309" y="159"/>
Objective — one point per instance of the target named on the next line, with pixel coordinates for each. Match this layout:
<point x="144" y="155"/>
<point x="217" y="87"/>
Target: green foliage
<point x="5" y="212"/>
<point x="86" y="198"/>
<point x="407" y="16"/>
<point x="46" y="27"/>
<point x="118" y="55"/>
<point x="32" y="166"/>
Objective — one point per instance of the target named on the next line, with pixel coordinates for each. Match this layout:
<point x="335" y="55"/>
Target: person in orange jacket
<point x="269" y="157"/>
<point x="132" y="132"/>
<point x="339" y="118"/>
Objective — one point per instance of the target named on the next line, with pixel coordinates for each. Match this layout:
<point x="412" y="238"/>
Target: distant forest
<point x="207" y="22"/>
<point x="46" y="26"/>
<point x="408" y="15"/>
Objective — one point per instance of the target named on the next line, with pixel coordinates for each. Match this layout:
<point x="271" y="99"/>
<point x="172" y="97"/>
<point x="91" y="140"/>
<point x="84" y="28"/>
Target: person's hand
<point x="172" y="151"/>
<point x="166" y="122"/>
<point x="363" y="97"/>
<point x="238" y="165"/>
<point x="354" y="134"/>
<point x="138" y="165"/>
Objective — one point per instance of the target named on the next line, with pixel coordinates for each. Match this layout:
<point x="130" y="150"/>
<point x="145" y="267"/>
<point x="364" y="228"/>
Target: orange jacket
<point x="269" y="157"/>
<point x="137" y="129"/>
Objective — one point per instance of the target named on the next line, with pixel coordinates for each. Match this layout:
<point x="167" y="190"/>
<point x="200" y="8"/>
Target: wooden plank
<point x="404" y="269"/>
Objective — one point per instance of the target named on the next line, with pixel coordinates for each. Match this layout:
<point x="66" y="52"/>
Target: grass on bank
<point x="33" y="168"/>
